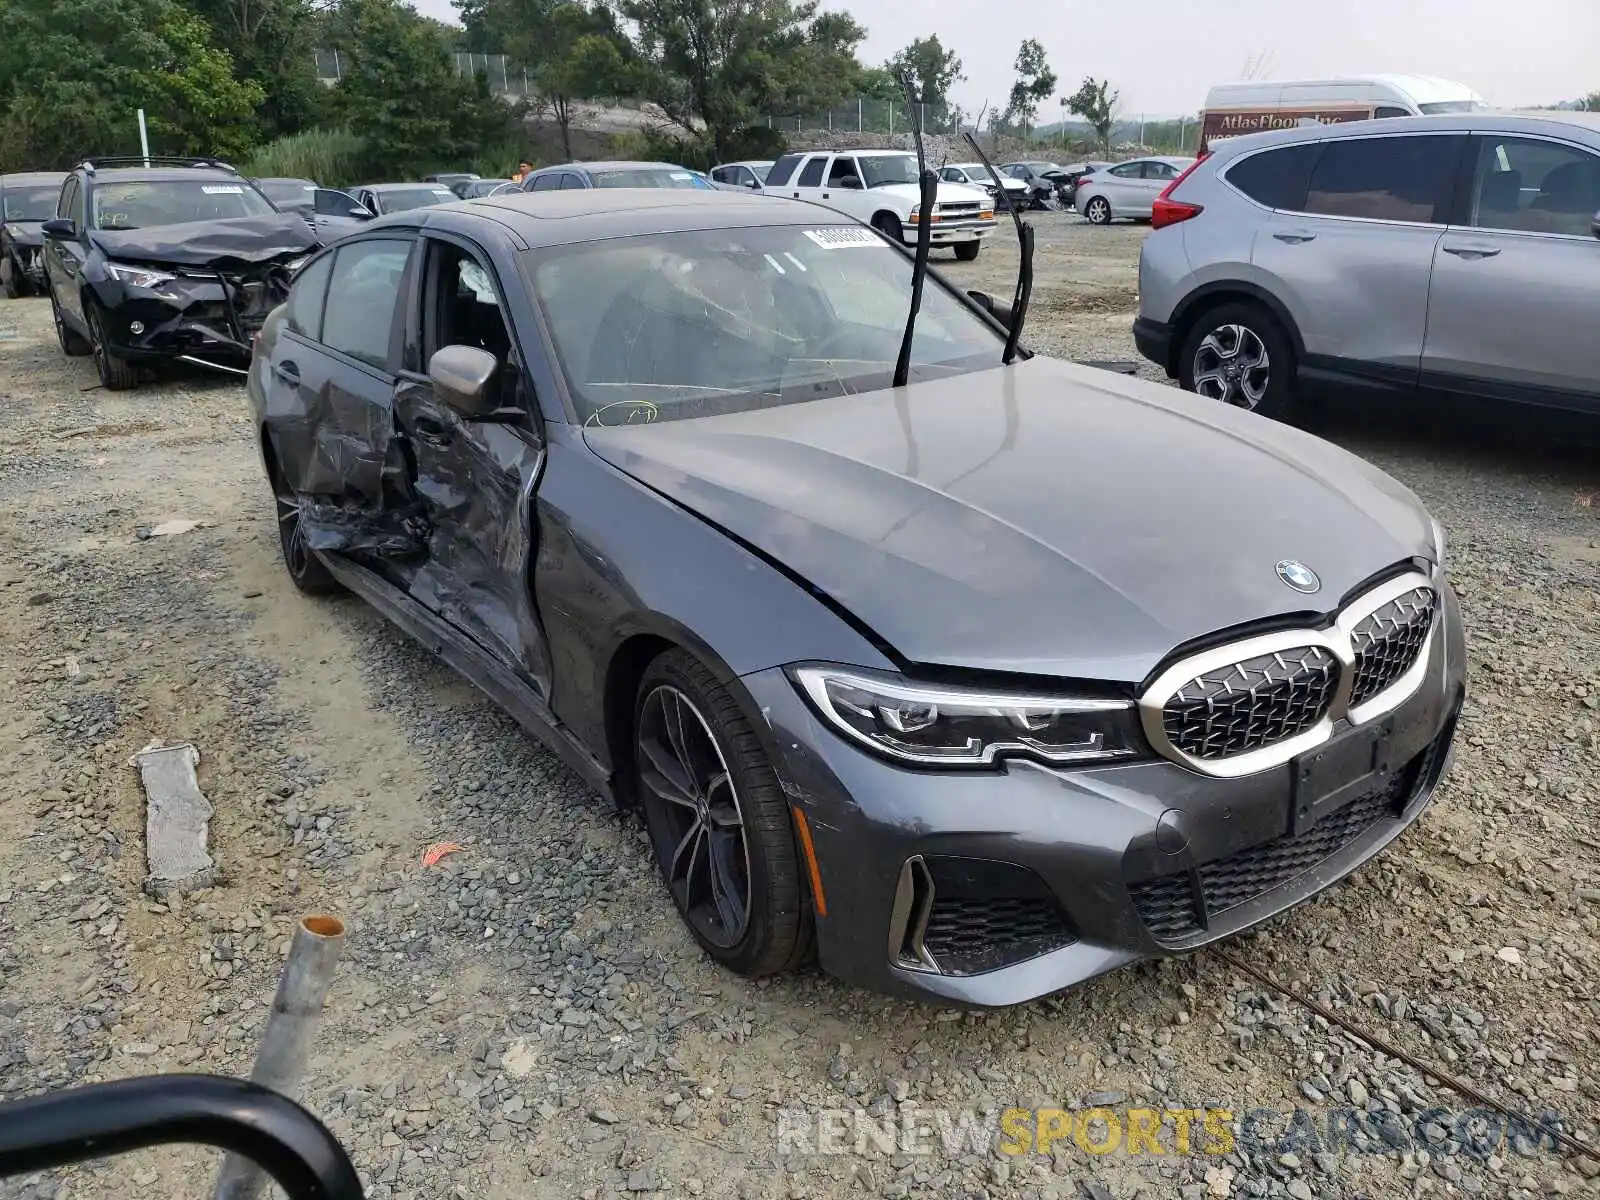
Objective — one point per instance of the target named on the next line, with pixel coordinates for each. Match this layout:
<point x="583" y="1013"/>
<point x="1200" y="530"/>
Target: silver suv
<point x="1454" y="256"/>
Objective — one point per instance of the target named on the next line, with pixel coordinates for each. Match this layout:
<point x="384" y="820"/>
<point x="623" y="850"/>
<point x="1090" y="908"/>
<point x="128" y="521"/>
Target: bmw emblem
<point x="1298" y="576"/>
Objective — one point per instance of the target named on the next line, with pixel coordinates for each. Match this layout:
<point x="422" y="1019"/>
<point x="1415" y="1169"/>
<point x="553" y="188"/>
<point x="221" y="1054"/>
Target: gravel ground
<point x="527" y="1017"/>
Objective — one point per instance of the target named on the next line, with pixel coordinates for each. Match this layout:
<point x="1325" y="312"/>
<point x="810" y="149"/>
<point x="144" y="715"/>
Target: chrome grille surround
<point x="1386" y="624"/>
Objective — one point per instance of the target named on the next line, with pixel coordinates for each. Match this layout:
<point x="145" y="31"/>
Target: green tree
<point x="583" y="54"/>
<point x="1591" y="102"/>
<point x="1096" y="103"/>
<point x="272" y="42"/>
<point x="401" y="94"/>
<point x="73" y="74"/>
<point x="714" y="66"/>
<point x="1035" y="82"/>
<point x="933" y="69"/>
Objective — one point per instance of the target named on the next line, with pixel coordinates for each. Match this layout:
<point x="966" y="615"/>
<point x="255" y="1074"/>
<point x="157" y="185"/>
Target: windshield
<point x="978" y="172"/>
<point x="679" y="325"/>
<point x="402" y="199"/>
<point x="173" y="202"/>
<point x="32" y="203"/>
<point x="1453" y="106"/>
<point x="295" y="193"/>
<point x="759" y="170"/>
<point x="644" y="177"/>
<point x="880" y="170"/>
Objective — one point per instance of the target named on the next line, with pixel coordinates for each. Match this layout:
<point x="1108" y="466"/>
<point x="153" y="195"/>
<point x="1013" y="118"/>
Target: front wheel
<point x="1239" y="354"/>
<point x="117" y="374"/>
<point x="889" y="225"/>
<point x="967" y="251"/>
<point x="73" y="344"/>
<point x="11" y="278"/>
<point x="1098" y="211"/>
<point x="718" y="820"/>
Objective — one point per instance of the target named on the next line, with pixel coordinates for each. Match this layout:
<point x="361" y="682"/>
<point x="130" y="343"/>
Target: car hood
<point x="1046" y="518"/>
<point x="25" y="233"/>
<point x="212" y="243"/>
<point x="948" y="193"/>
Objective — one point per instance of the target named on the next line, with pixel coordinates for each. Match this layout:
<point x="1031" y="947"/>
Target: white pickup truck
<point x="879" y="187"/>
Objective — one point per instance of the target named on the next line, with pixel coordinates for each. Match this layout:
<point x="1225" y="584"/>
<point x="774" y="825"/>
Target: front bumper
<point x="945" y="232"/>
<point x="1049" y="877"/>
<point x="1154" y="341"/>
<point x="202" y="317"/>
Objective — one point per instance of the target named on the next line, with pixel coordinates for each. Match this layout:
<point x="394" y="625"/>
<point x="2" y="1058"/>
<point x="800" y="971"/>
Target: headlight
<point x="941" y="726"/>
<point x="294" y="264"/>
<point x="139" y="277"/>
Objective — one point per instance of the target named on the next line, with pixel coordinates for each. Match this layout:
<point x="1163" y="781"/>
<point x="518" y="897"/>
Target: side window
<point x="722" y="175"/>
<point x="329" y="202"/>
<point x="1389" y="110"/>
<point x="462" y="308"/>
<point x="1276" y="178"/>
<point x="782" y="169"/>
<point x="546" y="183"/>
<point x="1159" y="170"/>
<point x="1384" y="178"/>
<point x="68" y="199"/>
<point x="305" y="298"/>
<point x="951" y="175"/>
<point x="843" y="173"/>
<point x="1127" y="170"/>
<point x="811" y="176"/>
<point x="1533" y="186"/>
<point x="362" y="294"/>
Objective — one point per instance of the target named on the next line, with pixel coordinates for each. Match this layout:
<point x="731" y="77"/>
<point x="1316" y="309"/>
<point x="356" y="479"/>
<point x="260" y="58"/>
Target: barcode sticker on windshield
<point x="222" y="189"/>
<point x="842" y="237"/>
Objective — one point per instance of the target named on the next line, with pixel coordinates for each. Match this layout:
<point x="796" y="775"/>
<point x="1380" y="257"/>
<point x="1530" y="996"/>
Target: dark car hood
<point x="1048" y="518"/>
<point x="25" y="233"/>
<point x="210" y="243"/>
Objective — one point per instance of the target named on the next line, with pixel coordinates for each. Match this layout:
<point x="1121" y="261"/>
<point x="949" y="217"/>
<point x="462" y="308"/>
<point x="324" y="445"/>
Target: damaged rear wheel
<point x="306" y="570"/>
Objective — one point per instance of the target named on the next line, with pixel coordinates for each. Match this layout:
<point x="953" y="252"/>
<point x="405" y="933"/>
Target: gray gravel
<point x="527" y="1017"/>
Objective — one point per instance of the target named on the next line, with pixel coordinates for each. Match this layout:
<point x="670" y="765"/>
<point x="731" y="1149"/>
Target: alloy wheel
<point x="683" y="767"/>
<point x="296" y="554"/>
<point x="1099" y="212"/>
<point x="1232" y="365"/>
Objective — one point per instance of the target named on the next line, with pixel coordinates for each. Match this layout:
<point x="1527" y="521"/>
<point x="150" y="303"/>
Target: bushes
<point x="332" y="157"/>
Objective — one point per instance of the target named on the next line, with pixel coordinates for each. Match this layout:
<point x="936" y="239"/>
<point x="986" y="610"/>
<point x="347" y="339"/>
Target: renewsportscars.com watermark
<point x="1477" y="1132"/>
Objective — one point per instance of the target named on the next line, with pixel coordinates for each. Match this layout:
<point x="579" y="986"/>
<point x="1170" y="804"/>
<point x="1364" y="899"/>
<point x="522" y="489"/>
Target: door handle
<point x="287" y="372"/>
<point x="1296" y="238"/>
<point x="429" y="430"/>
<point x="1471" y="252"/>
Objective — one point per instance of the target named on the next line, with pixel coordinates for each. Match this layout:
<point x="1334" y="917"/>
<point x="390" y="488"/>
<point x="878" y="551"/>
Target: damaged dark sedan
<point x="977" y="687"/>
<point x="27" y="201"/>
<point x="180" y="261"/>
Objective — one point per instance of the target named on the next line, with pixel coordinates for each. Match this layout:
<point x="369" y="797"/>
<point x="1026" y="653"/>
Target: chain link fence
<point x="869" y="116"/>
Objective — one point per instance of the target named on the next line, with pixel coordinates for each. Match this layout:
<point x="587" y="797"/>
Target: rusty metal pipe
<point x="286" y="1041"/>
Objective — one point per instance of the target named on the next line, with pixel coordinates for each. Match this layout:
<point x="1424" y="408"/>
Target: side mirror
<point x="753" y="184"/>
<point x="461" y="376"/>
<point x="361" y="212"/>
<point x="982" y="299"/>
<point x="59" y="227"/>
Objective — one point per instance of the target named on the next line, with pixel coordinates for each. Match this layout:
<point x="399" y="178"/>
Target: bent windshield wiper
<point x="928" y="182"/>
<point x="1024" y="290"/>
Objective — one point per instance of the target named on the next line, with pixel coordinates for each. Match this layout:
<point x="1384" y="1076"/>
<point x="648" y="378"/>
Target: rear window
<point x="1385" y="179"/>
<point x="1276" y="178"/>
<point x="643" y="177"/>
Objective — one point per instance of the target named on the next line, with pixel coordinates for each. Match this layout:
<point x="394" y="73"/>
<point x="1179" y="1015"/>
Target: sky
<point x="1162" y="55"/>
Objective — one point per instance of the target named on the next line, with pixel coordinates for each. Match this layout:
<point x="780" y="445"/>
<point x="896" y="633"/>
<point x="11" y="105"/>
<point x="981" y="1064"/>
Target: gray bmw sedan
<point x="978" y="686"/>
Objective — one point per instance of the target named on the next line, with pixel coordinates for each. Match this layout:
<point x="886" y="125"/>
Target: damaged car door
<point x="326" y="378"/>
<point x="476" y="447"/>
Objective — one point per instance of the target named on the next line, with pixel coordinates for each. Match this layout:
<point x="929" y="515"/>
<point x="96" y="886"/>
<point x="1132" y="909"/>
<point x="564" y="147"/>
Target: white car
<point x="737" y="176"/>
<point x="1128" y="189"/>
<point x="977" y="175"/>
<point x="879" y="188"/>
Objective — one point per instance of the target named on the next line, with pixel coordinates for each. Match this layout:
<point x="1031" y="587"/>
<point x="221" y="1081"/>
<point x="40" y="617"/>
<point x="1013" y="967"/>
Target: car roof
<point x="612" y="165"/>
<point x="1552" y="123"/>
<point x="879" y="152"/>
<point x="561" y="218"/>
<point x="282" y="179"/>
<point x="391" y="187"/>
<point x="164" y="175"/>
<point x="32" y="178"/>
<point x="747" y="162"/>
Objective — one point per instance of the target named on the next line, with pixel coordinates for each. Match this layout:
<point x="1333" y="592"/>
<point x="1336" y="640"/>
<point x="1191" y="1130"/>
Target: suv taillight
<point x="1166" y="211"/>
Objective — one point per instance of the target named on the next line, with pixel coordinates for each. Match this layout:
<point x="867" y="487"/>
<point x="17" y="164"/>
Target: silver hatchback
<point x="1453" y="256"/>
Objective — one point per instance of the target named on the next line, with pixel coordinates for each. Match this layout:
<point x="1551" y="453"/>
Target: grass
<point x="332" y="157"/>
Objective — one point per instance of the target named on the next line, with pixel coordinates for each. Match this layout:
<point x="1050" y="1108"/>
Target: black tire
<point x="16" y="286"/>
<point x="1098" y="210"/>
<point x="306" y="570"/>
<point x="73" y="344"/>
<point x="889" y="225"/>
<point x="117" y="374"/>
<point x="967" y="251"/>
<point x="1237" y="353"/>
<point x="681" y="711"/>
